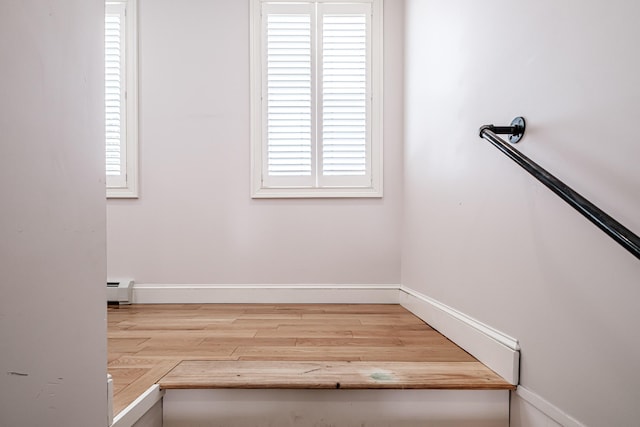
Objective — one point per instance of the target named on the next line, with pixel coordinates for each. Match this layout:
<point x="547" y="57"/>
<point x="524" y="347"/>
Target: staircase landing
<point x="286" y="346"/>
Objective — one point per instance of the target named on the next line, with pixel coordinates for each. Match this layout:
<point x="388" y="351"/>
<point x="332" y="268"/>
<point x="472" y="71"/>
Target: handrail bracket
<point x="515" y="131"/>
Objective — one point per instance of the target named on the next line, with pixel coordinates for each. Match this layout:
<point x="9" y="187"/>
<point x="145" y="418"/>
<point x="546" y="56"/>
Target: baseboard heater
<point x="120" y="291"/>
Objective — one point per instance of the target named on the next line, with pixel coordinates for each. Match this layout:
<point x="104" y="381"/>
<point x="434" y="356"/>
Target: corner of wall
<point x="495" y="349"/>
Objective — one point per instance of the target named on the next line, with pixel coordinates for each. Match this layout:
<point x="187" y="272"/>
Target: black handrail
<point x="613" y="228"/>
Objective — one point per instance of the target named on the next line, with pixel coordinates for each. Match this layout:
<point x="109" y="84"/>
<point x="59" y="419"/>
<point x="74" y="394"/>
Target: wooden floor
<point x="282" y="346"/>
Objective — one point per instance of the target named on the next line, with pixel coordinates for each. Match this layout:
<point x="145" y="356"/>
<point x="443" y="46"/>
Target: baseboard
<point x="533" y="410"/>
<point x="136" y="410"/>
<point x="496" y="350"/>
<point x="109" y="399"/>
<point x="149" y="293"/>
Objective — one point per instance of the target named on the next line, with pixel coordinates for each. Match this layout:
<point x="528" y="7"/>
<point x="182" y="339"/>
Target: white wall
<point x="195" y="221"/>
<point x="52" y="215"/>
<point x="152" y="418"/>
<point x="339" y="408"/>
<point x="481" y="235"/>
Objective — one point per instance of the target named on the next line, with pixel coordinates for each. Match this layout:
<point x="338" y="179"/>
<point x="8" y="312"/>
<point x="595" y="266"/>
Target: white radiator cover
<point x="120" y="290"/>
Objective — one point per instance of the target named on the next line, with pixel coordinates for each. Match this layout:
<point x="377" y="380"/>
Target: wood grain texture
<point x="329" y="375"/>
<point x="346" y="342"/>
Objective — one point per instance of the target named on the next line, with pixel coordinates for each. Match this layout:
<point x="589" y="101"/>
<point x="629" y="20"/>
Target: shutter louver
<point x="289" y="95"/>
<point x="344" y="95"/>
<point x="114" y="99"/>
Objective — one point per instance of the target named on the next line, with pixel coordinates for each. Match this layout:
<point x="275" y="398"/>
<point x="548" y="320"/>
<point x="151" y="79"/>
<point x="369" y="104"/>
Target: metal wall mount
<point x="515" y="131"/>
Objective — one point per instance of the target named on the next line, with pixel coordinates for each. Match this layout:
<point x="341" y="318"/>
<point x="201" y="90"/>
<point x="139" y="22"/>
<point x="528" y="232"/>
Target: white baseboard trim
<point x="109" y="399"/>
<point x="136" y="409"/>
<point x="149" y="293"/>
<point x="547" y="408"/>
<point x="496" y="350"/>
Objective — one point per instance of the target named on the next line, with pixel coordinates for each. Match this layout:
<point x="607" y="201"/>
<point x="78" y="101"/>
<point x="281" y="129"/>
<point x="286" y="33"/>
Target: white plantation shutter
<point x="345" y="94"/>
<point x="314" y="131"/>
<point x="289" y="109"/>
<point x="115" y="105"/>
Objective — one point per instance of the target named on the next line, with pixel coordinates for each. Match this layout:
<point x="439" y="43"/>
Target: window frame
<point x="127" y="186"/>
<point x="374" y="189"/>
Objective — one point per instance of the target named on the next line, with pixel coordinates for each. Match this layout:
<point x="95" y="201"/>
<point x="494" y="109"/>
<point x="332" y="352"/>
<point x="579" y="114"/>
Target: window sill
<point x="122" y="193"/>
<point x="306" y="193"/>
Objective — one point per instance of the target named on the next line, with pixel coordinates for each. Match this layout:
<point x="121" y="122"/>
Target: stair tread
<point x="211" y="374"/>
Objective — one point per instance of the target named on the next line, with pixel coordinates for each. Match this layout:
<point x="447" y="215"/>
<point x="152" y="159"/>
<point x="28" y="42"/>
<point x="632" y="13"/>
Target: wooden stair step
<point x="210" y="374"/>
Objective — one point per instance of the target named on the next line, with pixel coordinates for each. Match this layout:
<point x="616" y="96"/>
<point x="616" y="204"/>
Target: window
<point x="316" y="98"/>
<point x="121" y="112"/>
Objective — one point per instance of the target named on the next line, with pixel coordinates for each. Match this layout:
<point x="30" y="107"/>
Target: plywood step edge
<point x="207" y="374"/>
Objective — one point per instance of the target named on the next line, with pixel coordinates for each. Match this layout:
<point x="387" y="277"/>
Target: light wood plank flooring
<point x="282" y="346"/>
